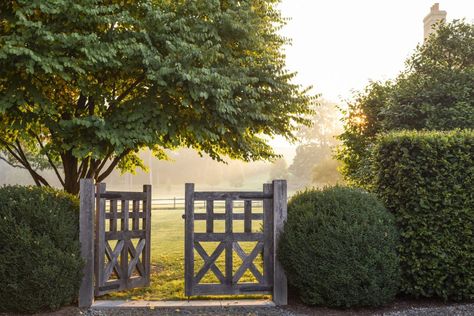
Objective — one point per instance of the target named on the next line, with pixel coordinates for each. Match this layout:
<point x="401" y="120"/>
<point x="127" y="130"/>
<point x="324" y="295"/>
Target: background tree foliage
<point x="317" y="143"/>
<point x="84" y="85"/>
<point x="434" y="92"/>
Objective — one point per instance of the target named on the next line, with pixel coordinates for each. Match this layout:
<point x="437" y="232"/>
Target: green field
<point x="167" y="248"/>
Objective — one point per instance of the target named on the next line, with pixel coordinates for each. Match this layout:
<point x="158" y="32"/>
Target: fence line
<point x="177" y="203"/>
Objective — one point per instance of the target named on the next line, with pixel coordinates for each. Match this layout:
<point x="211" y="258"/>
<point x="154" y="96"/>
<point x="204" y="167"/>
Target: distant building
<point x="432" y="18"/>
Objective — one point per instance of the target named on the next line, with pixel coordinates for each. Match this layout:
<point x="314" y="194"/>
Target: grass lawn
<point x="167" y="249"/>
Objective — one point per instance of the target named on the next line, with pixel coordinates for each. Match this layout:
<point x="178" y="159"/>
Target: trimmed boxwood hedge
<point x="338" y="248"/>
<point x="427" y="180"/>
<point x="40" y="263"/>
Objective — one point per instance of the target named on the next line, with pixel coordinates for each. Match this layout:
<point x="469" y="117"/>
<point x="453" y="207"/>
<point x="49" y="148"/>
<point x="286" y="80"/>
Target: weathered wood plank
<point x="228" y="242"/>
<point x="112" y="215"/>
<point x="113" y="256"/>
<point x="120" y="214"/>
<point x="200" y="196"/>
<point x="209" y="216"/>
<point x="147" y="189"/>
<point x="119" y="235"/>
<point x="248" y="216"/>
<point x="209" y="262"/>
<point x="124" y="256"/>
<point x="86" y="236"/>
<point x="280" y="287"/>
<point x="189" y="239"/>
<point x="135" y="256"/>
<point x="221" y="216"/>
<point x="115" y="285"/>
<point x="247" y="262"/>
<point x="268" y="235"/>
<point x="236" y="289"/>
<point x="119" y="195"/>
<point x="228" y="237"/>
<point x="135" y="212"/>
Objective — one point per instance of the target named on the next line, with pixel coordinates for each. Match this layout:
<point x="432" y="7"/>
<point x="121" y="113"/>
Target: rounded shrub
<point x="339" y="248"/>
<point x="40" y="263"/>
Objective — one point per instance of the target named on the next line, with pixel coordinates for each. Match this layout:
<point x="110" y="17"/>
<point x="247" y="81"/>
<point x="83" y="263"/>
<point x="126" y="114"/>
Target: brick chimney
<point x="432" y="18"/>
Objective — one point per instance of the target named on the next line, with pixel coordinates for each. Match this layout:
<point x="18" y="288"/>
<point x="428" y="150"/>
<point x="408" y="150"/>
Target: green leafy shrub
<point x="40" y="263"/>
<point x="339" y="248"/>
<point x="427" y="180"/>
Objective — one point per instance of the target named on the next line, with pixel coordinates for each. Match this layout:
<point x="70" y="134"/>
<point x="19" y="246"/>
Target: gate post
<point x="189" y="239"/>
<point x="86" y="237"/>
<point x="280" y="295"/>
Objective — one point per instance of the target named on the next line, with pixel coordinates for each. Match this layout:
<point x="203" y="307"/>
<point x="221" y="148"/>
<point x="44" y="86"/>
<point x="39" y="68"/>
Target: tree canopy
<point x="84" y="85"/>
<point x="434" y="92"/>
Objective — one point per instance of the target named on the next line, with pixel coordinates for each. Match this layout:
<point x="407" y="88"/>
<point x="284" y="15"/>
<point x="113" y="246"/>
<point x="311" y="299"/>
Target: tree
<point x="317" y="142"/>
<point x="434" y="92"/>
<point x="325" y="172"/>
<point x="84" y="85"/>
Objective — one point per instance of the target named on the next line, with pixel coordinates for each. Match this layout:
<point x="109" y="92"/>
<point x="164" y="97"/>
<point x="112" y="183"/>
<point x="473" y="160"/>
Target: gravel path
<point x="399" y="308"/>
<point x="445" y="310"/>
<point x="247" y="311"/>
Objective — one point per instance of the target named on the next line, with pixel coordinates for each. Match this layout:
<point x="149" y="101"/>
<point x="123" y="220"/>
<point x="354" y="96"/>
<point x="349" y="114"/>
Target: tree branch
<point x="83" y="167"/>
<point x="104" y="161"/>
<point x="81" y="102"/>
<point x="36" y="176"/>
<point x="112" y="166"/>
<point x="91" y="173"/>
<point x="91" y="105"/>
<point x="125" y="93"/>
<point x="12" y="164"/>
<point x="50" y="161"/>
<point x="20" y="156"/>
<point x="10" y="150"/>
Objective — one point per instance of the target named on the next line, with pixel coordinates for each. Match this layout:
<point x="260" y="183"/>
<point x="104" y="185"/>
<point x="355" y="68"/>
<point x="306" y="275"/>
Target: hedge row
<point x="40" y="263"/>
<point x="427" y="180"/>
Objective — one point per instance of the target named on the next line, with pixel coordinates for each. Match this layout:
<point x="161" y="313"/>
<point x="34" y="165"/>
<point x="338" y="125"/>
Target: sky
<point x="339" y="45"/>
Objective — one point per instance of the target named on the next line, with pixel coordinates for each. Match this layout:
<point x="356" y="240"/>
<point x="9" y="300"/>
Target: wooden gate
<point x="200" y="229"/>
<point x="122" y="242"/>
<point x="115" y="239"/>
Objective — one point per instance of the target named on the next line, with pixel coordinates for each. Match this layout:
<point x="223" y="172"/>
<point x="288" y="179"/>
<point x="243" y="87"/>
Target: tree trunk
<point x="71" y="176"/>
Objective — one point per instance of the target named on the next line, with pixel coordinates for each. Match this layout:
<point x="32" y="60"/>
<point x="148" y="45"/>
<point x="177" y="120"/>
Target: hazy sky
<point x="338" y="45"/>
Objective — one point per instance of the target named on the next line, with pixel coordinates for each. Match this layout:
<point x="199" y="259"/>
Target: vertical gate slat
<point x="210" y="216"/>
<point x="228" y="246"/>
<point x="113" y="210"/>
<point x="147" y="251"/>
<point x="136" y="209"/>
<point x="248" y="216"/>
<point x="124" y="255"/>
<point x="189" y="239"/>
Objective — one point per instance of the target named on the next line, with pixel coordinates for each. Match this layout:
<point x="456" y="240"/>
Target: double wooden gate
<point x="115" y="232"/>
